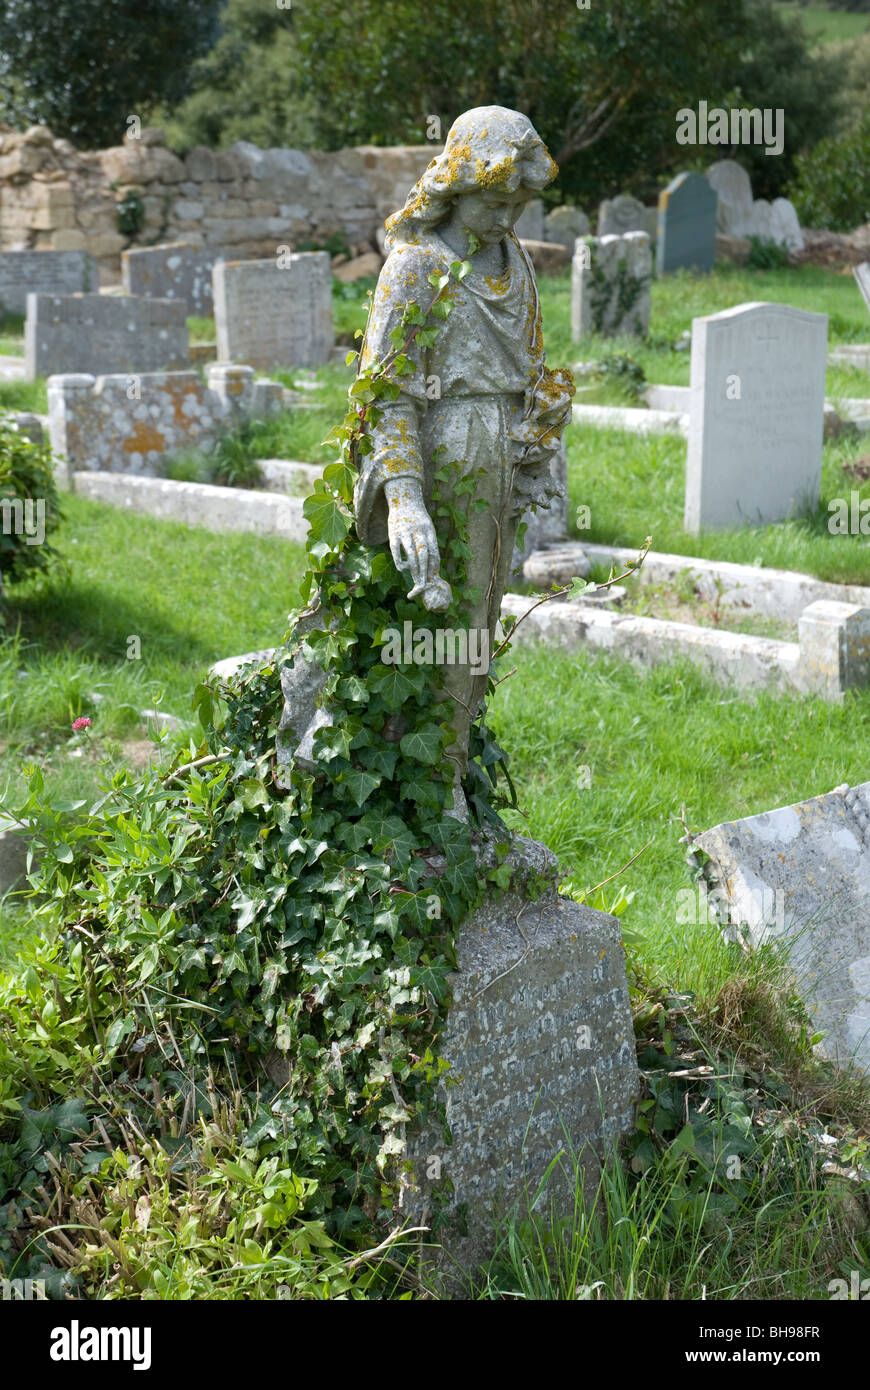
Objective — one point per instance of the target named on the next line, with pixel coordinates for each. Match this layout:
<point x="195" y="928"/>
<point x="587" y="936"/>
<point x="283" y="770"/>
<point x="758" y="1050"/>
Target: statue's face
<point x="489" y="214"/>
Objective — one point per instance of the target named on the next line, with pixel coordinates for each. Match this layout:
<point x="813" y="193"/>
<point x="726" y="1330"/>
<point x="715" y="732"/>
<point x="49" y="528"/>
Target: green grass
<point x="827" y="26"/>
<point x="190" y="596"/>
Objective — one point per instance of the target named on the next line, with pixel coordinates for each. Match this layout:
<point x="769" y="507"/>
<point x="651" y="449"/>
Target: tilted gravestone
<point x="97" y="333"/>
<point x="175" y="270"/>
<point x="610" y="286"/>
<point x="275" y="315"/>
<point x="686" y="225"/>
<point x="862" y="275"/>
<point x="540" y="1044"/>
<point x="756" y="415"/>
<point x="800" y="875"/>
<point x="43" y="272"/>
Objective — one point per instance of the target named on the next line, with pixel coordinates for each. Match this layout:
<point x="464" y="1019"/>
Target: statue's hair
<point x="489" y="147"/>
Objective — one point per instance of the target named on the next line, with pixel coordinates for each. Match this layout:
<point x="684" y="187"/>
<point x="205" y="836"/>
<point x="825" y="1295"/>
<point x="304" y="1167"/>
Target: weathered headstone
<point x="43" y="272"/>
<point x="564" y="224"/>
<point x="610" y="286"/>
<point x="124" y="424"/>
<point x="99" y="333"/>
<point x="540" y="1043"/>
<point x="272" y="315"/>
<point x="756" y="416"/>
<point x="733" y="187"/>
<point x="529" y="226"/>
<point x="175" y="270"/>
<point x="862" y="275"/>
<point x="622" y="214"/>
<point x="687" y="225"/>
<point x="801" y="875"/>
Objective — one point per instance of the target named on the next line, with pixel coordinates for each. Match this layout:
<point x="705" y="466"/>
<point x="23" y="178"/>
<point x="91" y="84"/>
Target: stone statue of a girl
<point x="481" y="396"/>
<point x="480" y="399"/>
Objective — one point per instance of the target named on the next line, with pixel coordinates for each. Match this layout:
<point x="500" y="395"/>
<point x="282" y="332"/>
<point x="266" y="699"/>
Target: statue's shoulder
<point x="409" y="264"/>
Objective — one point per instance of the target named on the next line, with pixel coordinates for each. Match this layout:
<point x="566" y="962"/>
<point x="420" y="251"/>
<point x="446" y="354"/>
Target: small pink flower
<point x="83" y="723"/>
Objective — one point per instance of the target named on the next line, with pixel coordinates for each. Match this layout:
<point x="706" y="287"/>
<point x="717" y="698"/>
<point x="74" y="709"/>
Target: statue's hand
<point x="413" y="543"/>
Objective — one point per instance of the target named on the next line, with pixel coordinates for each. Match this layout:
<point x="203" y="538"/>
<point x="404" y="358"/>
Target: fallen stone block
<point x="800" y="875"/>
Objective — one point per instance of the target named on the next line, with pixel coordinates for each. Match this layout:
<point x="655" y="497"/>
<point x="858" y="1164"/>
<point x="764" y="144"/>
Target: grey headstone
<point x="756" y="416"/>
<point x="622" y="214"/>
<point x="14" y="846"/>
<point x="539" y="1039"/>
<point x="610" y="286"/>
<point x="529" y="226"/>
<point x="44" y="272"/>
<point x="175" y="270"/>
<point x="862" y="275"/>
<point x="97" y="334"/>
<point x="564" y="224"/>
<point x="275" y="316"/>
<point x="801" y="875"/>
<point x="687" y="225"/>
<point x="732" y="184"/>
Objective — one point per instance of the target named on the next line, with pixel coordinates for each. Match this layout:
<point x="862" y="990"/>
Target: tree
<point x="83" y="66"/>
<point x="602" y="85"/>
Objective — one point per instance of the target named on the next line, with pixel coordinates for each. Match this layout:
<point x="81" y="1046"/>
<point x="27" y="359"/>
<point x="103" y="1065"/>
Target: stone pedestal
<point x="542" y="1063"/>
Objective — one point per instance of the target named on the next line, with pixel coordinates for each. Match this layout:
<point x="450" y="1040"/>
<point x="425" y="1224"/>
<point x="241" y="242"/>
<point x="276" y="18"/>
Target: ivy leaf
<point x="359" y="784"/>
<point x="423" y="745"/>
<point x="392" y="684"/>
<point x="329" y="524"/>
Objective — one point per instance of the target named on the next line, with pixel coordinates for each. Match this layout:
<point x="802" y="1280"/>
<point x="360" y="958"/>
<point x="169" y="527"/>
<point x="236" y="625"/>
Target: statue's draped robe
<point x="471" y="393"/>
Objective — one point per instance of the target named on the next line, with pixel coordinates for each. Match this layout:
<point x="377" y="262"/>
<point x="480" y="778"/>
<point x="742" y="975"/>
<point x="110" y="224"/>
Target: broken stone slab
<point x="286" y="475"/>
<point x="800" y="875"/>
<point x="850" y="355"/>
<point x="732" y="659"/>
<point x="634" y="418"/>
<point x="770" y="593"/>
<point x="540" y="1044"/>
<point x="835" y="647"/>
<point x="198" y="504"/>
<point x="231" y="665"/>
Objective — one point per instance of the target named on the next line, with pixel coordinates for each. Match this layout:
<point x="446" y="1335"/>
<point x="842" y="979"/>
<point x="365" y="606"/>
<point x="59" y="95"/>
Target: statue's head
<point x="493" y="161"/>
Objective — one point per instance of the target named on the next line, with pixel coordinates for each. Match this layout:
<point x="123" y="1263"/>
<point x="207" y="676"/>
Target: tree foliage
<point x="83" y="66"/>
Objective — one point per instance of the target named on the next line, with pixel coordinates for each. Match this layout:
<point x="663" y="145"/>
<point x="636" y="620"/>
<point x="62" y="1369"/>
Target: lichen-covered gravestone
<point x="686" y="225"/>
<point x="275" y="313"/>
<point x="801" y="875"/>
<point x="756" y="416"/>
<point x="610" y="286"/>
<point x="540" y="1044"/>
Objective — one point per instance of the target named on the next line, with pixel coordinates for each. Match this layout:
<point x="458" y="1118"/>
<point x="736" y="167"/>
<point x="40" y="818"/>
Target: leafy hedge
<point x="29" y="504"/>
<point x="832" y="187"/>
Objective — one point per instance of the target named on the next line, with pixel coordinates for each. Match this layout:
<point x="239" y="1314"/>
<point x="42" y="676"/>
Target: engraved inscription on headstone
<point x="541" y="1045"/>
<point x="272" y="315"/>
<point x="99" y="334"/>
<point x="756" y="415"/>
